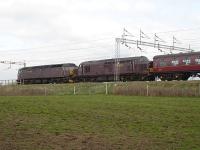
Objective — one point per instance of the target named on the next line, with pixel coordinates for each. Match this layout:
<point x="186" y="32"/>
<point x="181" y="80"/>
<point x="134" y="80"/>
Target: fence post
<point x="45" y="91"/>
<point x="74" y="90"/>
<point x="106" y="88"/>
<point x="147" y="89"/>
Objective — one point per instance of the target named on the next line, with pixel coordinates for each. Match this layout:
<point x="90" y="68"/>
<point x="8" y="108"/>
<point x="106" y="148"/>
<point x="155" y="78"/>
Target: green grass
<point x="116" y="122"/>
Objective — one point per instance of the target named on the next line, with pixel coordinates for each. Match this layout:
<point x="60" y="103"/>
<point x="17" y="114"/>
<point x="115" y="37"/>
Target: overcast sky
<point x="61" y="31"/>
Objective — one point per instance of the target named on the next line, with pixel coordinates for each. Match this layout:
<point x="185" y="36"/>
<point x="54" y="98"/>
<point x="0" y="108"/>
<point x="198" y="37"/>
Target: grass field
<point x="99" y="122"/>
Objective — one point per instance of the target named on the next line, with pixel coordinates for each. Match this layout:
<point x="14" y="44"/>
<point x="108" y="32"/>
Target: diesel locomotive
<point x="58" y="73"/>
<point x="131" y="68"/>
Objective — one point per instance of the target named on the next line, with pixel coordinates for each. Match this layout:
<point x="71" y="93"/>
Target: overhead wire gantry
<point x="13" y="63"/>
<point x="158" y="44"/>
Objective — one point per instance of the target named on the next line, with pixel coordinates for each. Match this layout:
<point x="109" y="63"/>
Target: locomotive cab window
<point x="87" y="69"/>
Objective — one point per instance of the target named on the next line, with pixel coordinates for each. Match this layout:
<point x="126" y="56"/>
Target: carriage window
<point x="186" y="61"/>
<point x="197" y="60"/>
<point x="87" y="69"/>
<point x="162" y="63"/>
<point x="175" y="61"/>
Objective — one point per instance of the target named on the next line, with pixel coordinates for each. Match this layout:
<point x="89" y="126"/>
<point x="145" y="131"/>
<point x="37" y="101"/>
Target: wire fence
<point x="172" y="88"/>
<point x="8" y="82"/>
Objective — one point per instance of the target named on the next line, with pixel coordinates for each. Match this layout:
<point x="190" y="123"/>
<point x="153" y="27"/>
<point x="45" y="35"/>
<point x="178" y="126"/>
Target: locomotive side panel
<point x="34" y="73"/>
<point x="52" y="72"/>
<point x="92" y="71"/>
<point x="29" y="73"/>
<point x="47" y="74"/>
<point x="104" y="70"/>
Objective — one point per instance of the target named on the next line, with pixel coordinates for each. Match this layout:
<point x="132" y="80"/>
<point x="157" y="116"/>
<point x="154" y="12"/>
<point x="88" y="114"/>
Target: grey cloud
<point x="35" y="23"/>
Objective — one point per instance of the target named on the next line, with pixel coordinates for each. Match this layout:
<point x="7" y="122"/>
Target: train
<point x="57" y="73"/>
<point x="166" y="67"/>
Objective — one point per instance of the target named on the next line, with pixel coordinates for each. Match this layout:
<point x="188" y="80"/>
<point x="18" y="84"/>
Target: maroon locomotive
<point x="176" y="66"/>
<point x="58" y="73"/>
<point x="131" y="68"/>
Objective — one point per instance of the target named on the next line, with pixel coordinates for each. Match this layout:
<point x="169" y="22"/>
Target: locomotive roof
<point x="177" y="55"/>
<point x="53" y="65"/>
<point x="120" y="59"/>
